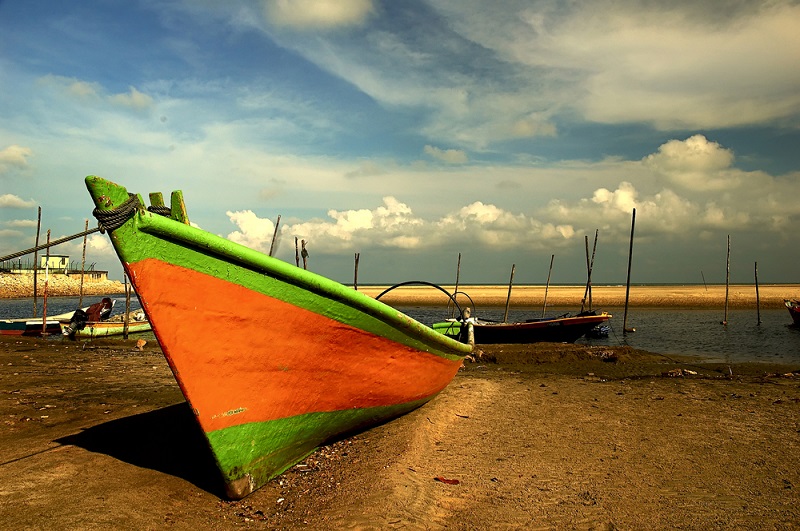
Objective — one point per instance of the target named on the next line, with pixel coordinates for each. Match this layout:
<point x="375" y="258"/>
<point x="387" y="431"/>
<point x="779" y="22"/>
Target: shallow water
<point x="665" y="331"/>
<point x="681" y="331"/>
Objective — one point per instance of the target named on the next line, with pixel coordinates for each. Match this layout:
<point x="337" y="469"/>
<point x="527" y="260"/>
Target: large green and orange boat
<point x="273" y="360"/>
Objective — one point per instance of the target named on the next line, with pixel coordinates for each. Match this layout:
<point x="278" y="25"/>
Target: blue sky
<point x="411" y="131"/>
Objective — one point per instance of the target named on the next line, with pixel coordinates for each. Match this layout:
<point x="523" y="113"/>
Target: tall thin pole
<point x="274" y="235"/>
<point x="727" y="280"/>
<point x="589" y="267"/>
<point x="758" y="300"/>
<point x="508" y="299"/>
<point x="127" y="317"/>
<point x="625" y="328"/>
<point x="296" y="252"/>
<point x="46" y="279"/>
<point x="36" y="260"/>
<point x="83" y="265"/>
<point x="458" y="278"/>
<point x="547" y="286"/>
<point x="304" y="253"/>
<point x="355" y="272"/>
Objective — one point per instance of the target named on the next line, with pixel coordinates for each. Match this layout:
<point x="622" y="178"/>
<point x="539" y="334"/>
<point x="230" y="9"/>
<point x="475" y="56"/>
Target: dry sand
<point x="97" y="436"/>
<point x="739" y="296"/>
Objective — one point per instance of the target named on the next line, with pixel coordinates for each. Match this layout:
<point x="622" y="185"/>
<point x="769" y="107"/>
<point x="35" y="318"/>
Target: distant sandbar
<point x="687" y="296"/>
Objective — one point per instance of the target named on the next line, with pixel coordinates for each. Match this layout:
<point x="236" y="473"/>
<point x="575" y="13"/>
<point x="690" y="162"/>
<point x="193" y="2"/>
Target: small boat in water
<point x="793" y="305"/>
<point x="93" y="329"/>
<point x="562" y="329"/>
<point x="274" y="360"/>
<point x="29" y="326"/>
<point x="32" y="326"/>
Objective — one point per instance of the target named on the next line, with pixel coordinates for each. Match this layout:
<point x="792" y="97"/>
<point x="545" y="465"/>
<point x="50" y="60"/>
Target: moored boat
<point x="105" y="328"/>
<point x="563" y="329"/>
<point x="30" y="326"/>
<point x="793" y="305"/>
<point x="273" y="360"/>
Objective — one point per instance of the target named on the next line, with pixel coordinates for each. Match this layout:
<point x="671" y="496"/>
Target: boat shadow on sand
<point x="166" y="440"/>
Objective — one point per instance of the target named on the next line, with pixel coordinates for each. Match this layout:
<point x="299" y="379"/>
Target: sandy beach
<point x="97" y="435"/>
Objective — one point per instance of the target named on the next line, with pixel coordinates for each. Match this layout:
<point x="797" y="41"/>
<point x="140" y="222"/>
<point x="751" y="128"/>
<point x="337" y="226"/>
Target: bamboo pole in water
<point x="274" y="236"/>
<point x="46" y="279"/>
<point x="36" y="260"/>
<point x="508" y="299"/>
<point x="589" y="267"/>
<point x="355" y="271"/>
<point x="83" y="265"/>
<point x="758" y="300"/>
<point x="547" y="286"/>
<point x="727" y="280"/>
<point x="458" y="278"/>
<point x="625" y="328"/>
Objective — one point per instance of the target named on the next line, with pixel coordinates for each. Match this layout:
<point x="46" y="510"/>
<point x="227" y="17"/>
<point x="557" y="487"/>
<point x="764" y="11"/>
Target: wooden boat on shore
<point x="273" y="360"/>
<point x="32" y="326"/>
<point x="793" y="306"/>
<point x="563" y="329"/>
<point x="106" y="328"/>
<point x="29" y="326"/>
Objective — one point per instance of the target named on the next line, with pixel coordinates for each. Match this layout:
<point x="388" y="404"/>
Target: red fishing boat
<point x="793" y="305"/>
<point x="562" y="329"/>
<point x="273" y="360"/>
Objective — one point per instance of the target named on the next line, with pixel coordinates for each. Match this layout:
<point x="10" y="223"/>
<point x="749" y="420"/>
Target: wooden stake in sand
<point x="126" y="317"/>
<point x="547" y="286"/>
<point x="625" y="328"/>
<point x="508" y="298"/>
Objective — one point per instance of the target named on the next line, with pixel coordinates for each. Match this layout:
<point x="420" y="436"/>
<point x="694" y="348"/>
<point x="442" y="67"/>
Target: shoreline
<point x="603" y="296"/>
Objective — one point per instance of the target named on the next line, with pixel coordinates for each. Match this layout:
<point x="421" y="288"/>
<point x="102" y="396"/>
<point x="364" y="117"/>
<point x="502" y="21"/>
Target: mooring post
<point x="508" y="299"/>
<point x="274" y="236"/>
<point x="36" y="260"/>
<point x="83" y="265"/>
<point x="355" y="272"/>
<point x="126" y="318"/>
<point x="758" y="300"/>
<point x="46" y="279"/>
<point x="727" y="281"/>
<point x="625" y="328"/>
<point x="455" y="291"/>
<point x="547" y="285"/>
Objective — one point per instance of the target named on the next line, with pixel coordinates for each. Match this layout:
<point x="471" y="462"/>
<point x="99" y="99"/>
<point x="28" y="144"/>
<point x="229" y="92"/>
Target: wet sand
<point x="96" y="435"/>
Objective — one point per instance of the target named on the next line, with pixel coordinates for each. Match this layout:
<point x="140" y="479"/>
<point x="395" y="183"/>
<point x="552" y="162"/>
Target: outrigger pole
<point x="47" y="245"/>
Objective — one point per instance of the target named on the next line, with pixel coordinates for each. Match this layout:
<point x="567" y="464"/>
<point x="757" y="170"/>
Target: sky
<point x="410" y="132"/>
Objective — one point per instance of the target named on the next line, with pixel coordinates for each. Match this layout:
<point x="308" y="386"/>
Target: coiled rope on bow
<point x="110" y="220"/>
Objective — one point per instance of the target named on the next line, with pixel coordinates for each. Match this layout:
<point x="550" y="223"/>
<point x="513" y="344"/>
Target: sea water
<point x="696" y="332"/>
<point x="692" y="332"/>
